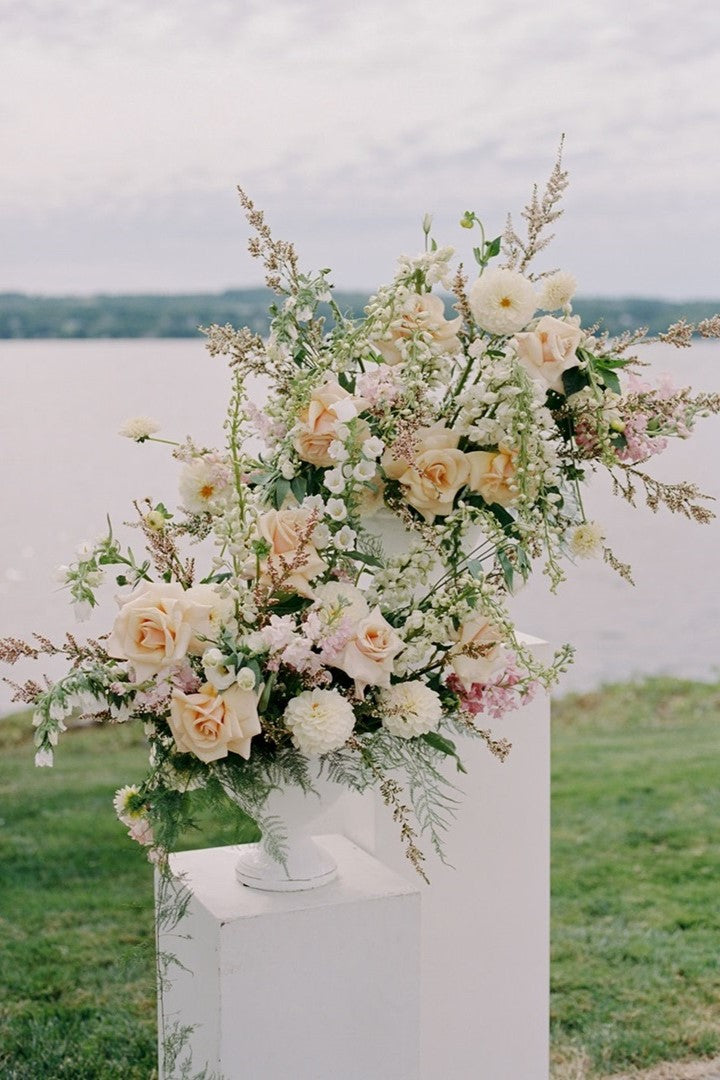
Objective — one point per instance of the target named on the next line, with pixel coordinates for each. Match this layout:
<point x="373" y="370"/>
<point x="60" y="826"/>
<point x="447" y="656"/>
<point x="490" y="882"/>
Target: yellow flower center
<point x="506" y="302"/>
<point x="207" y="490"/>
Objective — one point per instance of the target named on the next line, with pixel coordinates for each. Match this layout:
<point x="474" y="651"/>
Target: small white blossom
<point x="364" y="471"/>
<point x="586" y="540"/>
<point x="44" y="759"/>
<point x="338" y="451"/>
<point x="336" y="509"/>
<point x="373" y="447"/>
<point x="287" y="469"/>
<point x="557" y="291"/>
<point x="246" y="678"/>
<point x="321" y="535"/>
<point x="139" y="428"/>
<point x="334" y="481"/>
<point x="82" y="610"/>
<point x="344" y="538"/>
<point x="61" y="574"/>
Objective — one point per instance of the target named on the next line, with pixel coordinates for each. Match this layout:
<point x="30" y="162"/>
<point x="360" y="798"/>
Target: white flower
<point x="364" y="471"/>
<point x="85" y="550"/>
<point x="336" y="509"/>
<point x="373" y="447"/>
<point x="586" y="540"/>
<point x="246" y="678"/>
<point x="409" y="709"/>
<point x="321" y="536"/>
<point x="287" y="469"/>
<point x="155" y="520"/>
<point x="337" y="451"/>
<point x="61" y="575"/>
<point x="201" y="484"/>
<point x="557" y="291"/>
<point x="82" y="610"/>
<point x="44" y="759"/>
<point x="344" y="538"/>
<point x="334" y="481"/>
<point x="345" y="410"/>
<point x="335" y="599"/>
<point x="139" y="428"/>
<point x="319" y="721"/>
<point x="121" y="802"/>
<point x="217" y="670"/>
<point x="502" y="301"/>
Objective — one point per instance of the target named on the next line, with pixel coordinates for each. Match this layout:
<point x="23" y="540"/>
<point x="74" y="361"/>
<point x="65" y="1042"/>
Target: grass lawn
<point x="636" y="873"/>
<point x="636" y="918"/>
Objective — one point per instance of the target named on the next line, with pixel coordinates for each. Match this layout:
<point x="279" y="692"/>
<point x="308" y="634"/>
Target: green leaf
<point x="298" y="488"/>
<point x="444" y="746"/>
<point x="492" y="247"/>
<point x="611" y="381"/>
<point x="363" y="557"/>
<point x="281" y="492"/>
<point x="507" y="568"/>
<point x="574" y="380"/>
<point x="475" y="568"/>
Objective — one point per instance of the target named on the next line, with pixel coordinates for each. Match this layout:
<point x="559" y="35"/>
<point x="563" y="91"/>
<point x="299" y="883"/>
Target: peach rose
<point x="329" y="406"/>
<point x="156" y="628"/>
<point x="283" y="530"/>
<point x="549" y="349"/>
<point x="209" y="725"/>
<point x="432" y="480"/>
<point x="368" y="656"/>
<point x="492" y="475"/>
<point x="420" y="314"/>
<point x="478" y="653"/>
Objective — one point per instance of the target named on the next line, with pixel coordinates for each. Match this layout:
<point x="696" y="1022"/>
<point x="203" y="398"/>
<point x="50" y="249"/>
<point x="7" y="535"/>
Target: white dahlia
<point x="121" y="802"/>
<point x="139" y="428"/>
<point x="586" y="540"/>
<point x="557" y="291"/>
<point x="502" y="301"/>
<point x="409" y="709"/>
<point x="319" y="721"/>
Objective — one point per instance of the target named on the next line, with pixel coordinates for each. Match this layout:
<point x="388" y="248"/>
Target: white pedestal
<point x="486" y="923"/>
<point x="317" y="985"/>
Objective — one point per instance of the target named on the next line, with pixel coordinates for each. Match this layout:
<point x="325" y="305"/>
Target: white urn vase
<point x="306" y="864"/>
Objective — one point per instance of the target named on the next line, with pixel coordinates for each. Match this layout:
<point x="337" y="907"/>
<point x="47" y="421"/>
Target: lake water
<point x="64" y="468"/>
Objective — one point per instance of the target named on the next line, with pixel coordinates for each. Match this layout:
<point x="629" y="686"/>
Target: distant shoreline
<point x="107" y="316"/>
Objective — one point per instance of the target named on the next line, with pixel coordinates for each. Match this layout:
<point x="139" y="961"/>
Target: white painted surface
<point x="317" y="985"/>
<point x="485" y="940"/>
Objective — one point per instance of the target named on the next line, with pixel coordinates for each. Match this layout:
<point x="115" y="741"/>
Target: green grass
<point x="77" y="974"/>
<point x="636" y="869"/>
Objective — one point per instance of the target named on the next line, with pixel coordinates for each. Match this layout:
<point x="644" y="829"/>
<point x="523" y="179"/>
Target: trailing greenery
<point x="635" y="862"/>
<point x="178" y="316"/>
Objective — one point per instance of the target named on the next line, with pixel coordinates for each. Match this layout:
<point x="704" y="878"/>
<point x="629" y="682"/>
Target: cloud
<point x="358" y="119"/>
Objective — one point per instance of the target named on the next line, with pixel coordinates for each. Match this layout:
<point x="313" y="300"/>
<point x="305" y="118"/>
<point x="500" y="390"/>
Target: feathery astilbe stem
<point x="539" y="213"/>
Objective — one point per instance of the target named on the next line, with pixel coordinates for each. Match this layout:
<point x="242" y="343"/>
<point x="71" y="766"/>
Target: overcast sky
<point x="126" y="126"/>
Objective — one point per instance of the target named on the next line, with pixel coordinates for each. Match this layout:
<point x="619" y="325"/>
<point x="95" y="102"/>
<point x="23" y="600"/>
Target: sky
<point x="125" y="129"/>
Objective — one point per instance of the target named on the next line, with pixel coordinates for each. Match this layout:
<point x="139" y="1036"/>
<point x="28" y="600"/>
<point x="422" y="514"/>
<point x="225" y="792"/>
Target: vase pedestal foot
<point x="307" y="866"/>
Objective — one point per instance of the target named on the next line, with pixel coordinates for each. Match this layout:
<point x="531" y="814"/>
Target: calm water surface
<point x="64" y="468"/>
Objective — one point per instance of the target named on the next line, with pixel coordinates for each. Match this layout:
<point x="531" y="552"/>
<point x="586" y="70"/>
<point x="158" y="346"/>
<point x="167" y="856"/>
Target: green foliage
<point x="636" y="858"/>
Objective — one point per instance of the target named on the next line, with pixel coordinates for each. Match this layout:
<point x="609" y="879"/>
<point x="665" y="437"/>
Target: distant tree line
<point x="154" y="316"/>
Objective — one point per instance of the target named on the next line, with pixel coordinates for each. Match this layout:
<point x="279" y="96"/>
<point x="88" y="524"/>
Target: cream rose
<point x="291" y="564"/>
<point x="220" y="609"/>
<point x="329" y="406"/>
<point x="210" y="725"/>
<point x="432" y="480"/>
<point x="419" y="315"/>
<point x="477" y="655"/>
<point x="368" y="656"/>
<point x="548" y="350"/>
<point x="156" y="628"/>
<point x="492" y="475"/>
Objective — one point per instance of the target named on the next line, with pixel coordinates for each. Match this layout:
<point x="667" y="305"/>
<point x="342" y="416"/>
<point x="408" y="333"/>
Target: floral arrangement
<point x="359" y="533"/>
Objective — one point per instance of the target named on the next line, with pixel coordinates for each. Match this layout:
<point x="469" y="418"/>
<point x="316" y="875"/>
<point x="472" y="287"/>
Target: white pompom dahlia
<point x="319" y="721"/>
<point x="502" y="301"/>
<point x="409" y="709"/>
